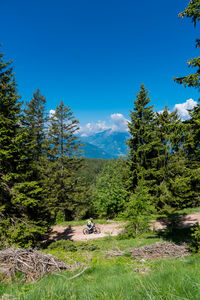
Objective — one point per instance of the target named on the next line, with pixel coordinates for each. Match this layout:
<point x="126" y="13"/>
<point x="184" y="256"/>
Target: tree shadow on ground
<point x="67" y="234"/>
<point x="175" y="229"/>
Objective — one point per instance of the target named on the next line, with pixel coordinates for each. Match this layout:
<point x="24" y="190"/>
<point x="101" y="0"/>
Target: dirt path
<point x="75" y="233"/>
<point x="184" y="221"/>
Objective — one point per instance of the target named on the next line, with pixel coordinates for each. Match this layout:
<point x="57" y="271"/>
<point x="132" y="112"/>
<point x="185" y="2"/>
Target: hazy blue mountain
<point x="91" y="151"/>
<point x="107" y="144"/>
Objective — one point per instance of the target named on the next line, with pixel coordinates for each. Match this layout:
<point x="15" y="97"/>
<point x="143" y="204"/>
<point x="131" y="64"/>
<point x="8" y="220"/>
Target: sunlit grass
<point x="81" y="222"/>
<point x="113" y="277"/>
<point x="171" y="279"/>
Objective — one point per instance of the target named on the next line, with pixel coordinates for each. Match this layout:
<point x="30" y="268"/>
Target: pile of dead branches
<point x="159" y="250"/>
<point x="32" y="263"/>
<point x="155" y="251"/>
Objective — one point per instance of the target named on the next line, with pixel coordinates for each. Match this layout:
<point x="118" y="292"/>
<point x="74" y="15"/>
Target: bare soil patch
<point x="184" y="221"/>
<point x="75" y="233"/>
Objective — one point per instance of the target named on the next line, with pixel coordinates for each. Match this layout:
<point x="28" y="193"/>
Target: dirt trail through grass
<point x="75" y="233"/>
<point x="183" y="221"/>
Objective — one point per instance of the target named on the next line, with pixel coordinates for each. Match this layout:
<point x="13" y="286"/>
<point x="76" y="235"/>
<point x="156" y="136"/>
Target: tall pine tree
<point x="61" y="168"/>
<point x="34" y="122"/>
<point x="22" y="212"/>
<point x="192" y="144"/>
<point x="142" y="142"/>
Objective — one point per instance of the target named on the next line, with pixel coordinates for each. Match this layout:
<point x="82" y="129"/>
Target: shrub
<point x="195" y="245"/>
<point x="64" y="245"/>
<point x="138" y="211"/>
<point x="87" y="247"/>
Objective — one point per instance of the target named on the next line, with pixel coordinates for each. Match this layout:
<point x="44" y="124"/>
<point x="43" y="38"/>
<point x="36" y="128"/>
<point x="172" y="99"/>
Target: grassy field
<point x="113" y="277"/>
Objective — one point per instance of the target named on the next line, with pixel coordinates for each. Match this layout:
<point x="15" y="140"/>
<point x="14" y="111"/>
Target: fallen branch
<point x="77" y="275"/>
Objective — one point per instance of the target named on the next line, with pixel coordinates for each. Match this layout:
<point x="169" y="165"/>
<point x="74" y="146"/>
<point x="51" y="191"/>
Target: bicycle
<point x="94" y="229"/>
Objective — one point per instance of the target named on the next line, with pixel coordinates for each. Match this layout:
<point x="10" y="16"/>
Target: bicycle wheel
<point x="86" y="231"/>
<point x="96" y="230"/>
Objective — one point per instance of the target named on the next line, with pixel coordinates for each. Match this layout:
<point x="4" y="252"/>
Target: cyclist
<point x="90" y="223"/>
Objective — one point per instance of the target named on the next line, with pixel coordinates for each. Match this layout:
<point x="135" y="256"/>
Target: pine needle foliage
<point x="65" y="187"/>
<point x="22" y="213"/>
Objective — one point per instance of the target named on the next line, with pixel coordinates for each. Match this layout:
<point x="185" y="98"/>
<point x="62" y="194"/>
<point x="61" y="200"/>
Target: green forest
<point x="45" y="179"/>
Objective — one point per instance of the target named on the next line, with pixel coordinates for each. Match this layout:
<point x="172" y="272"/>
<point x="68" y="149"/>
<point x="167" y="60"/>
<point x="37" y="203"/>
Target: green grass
<point x="180" y="212"/>
<point x="81" y="222"/>
<point x="114" y="277"/>
<point x="188" y="210"/>
<point x="171" y="279"/>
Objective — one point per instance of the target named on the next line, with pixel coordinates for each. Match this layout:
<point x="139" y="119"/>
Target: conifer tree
<point x="61" y="169"/>
<point x="193" y="80"/>
<point x="9" y="125"/>
<point x="34" y="122"/>
<point x="192" y="144"/>
<point x="142" y="142"/>
<point x="22" y="212"/>
<point x="170" y="162"/>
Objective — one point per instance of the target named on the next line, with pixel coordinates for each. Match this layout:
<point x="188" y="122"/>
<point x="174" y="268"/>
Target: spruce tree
<point x="170" y="162"/>
<point x="9" y="125"/>
<point x="22" y="213"/>
<point x="192" y="144"/>
<point x="63" y="164"/>
<point x="34" y="122"/>
<point x="193" y="80"/>
<point x="142" y="142"/>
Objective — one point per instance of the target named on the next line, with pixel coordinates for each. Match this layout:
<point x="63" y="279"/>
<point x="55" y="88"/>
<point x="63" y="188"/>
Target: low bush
<point x="195" y="244"/>
<point x="64" y="245"/>
<point x="87" y="246"/>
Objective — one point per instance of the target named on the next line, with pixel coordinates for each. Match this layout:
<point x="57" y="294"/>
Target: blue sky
<point x="94" y="55"/>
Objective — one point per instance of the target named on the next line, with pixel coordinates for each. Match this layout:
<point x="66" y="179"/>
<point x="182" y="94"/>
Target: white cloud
<point x="116" y="122"/>
<point x="119" y="122"/>
<point x="51" y="112"/>
<point x="182" y="108"/>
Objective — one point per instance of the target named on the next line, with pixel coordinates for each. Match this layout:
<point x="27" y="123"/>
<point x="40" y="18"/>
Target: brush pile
<point x="159" y="250"/>
<point x="33" y="264"/>
<point x="155" y="251"/>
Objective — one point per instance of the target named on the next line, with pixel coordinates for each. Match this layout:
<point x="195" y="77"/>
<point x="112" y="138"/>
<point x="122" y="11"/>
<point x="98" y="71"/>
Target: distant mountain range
<point x="107" y="144"/>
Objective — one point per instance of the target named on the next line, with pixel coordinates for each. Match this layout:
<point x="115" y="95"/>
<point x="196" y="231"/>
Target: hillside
<point x="107" y="144"/>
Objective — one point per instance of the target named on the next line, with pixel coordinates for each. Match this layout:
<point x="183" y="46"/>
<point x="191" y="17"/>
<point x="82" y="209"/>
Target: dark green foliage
<point x="138" y="211"/>
<point x="192" y="11"/>
<point x="142" y="139"/>
<point x="110" y="194"/>
<point x="192" y="127"/>
<point x="170" y="188"/>
<point x="22" y="212"/>
<point x="92" y="168"/>
<point x="87" y="246"/>
<point x="195" y="246"/>
<point x="62" y="164"/>
<point x="34" y="122"/>
<point x="66" y="245"/>
<point x="193" y="80"/>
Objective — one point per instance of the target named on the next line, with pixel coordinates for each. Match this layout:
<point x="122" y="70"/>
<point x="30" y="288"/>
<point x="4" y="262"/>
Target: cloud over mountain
<point x="116" y="122"/>
<point x="182" y="108"/>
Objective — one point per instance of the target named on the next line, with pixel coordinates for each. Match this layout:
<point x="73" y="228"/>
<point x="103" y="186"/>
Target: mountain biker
<point x="90" y="223"/>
